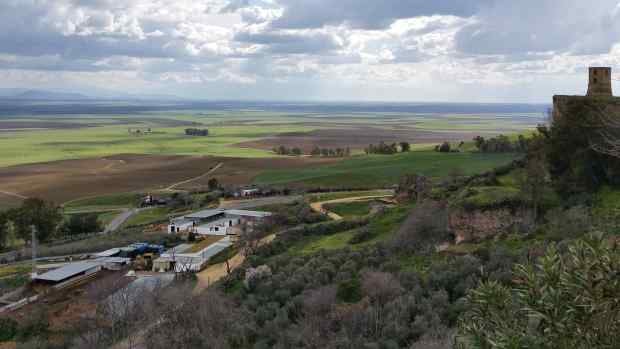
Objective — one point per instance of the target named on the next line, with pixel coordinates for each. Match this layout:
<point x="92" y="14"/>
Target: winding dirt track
<point x="318" y="206"/>
<point x="172" y="186"/>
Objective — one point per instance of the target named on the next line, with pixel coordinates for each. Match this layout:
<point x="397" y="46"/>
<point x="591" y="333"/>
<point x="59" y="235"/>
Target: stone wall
<point x="561" y="103"/>
<point x="479" y="225"/>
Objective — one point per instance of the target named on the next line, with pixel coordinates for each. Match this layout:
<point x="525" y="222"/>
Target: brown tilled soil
<point x="62" y="181"/>
<point x="355" y="138"/>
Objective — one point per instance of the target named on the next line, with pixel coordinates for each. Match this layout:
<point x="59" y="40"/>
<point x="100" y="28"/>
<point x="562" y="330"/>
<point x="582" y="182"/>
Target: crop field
<point x="63" y="154"/>
<point x="384" y="170"/>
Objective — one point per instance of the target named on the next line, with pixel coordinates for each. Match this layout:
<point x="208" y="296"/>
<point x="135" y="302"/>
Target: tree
<point x="213" y="184"/>
<point x="579" y="148"/>
<point x="83" y="224"/>
<point x="533" y="182"/>
<point x="44" y="216"/>
<point x="405" y="147"/>
<point x="565" y="300"/>
<point x="4" y="229"/>
<point x="444" y="147"/>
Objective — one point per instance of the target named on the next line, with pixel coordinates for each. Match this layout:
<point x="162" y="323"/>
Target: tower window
<point x="596" y="72"/>
<point x="595" y="80"/>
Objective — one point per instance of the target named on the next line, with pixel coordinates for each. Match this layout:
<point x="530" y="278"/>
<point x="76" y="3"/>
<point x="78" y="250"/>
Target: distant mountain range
<point x="46" y="95"/>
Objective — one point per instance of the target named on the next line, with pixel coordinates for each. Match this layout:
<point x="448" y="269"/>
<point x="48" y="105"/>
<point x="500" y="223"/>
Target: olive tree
<point x="565" y="300"/>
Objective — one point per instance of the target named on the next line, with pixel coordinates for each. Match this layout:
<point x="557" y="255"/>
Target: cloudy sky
<point x="390" y="50"/>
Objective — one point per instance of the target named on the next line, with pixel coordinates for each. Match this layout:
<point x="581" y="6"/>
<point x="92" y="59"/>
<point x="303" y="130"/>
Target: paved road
<point x="116" y="223"/>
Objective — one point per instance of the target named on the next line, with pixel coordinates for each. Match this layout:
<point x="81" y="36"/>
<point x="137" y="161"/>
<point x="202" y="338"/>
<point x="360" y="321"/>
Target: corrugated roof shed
<point x="68" y="271"/>
<point x="246" y="213"/>
<point x="204" y="214"/>
<point x="109" y="253"/>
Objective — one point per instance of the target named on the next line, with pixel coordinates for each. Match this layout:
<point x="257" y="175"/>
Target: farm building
<point x="216" y="222"/>
<point x="248" y="192"/>
<point x="71" y="273"/>
<point x="190" y="257"/>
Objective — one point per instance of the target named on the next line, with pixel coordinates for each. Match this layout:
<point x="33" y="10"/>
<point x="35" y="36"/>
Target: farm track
<point x="211" y="171"/>
<point x="318" y="206"/>
<point x="15" y="195"/>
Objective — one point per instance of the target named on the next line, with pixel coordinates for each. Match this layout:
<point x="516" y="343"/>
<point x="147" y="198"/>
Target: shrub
<point x="570" y="223"/>
<point x="568" y="300"/>
<point x="349" y="291"/>
<point x="361" y="235"/>
<point x="8" y="329"/>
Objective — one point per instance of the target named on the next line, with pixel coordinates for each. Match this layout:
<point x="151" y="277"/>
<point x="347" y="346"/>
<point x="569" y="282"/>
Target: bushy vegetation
<point x="387" y="149"/>
<point x="565" y="300"/>
<point x="331" y="152"/>
<point x="197" y="132"/>
<point x="82" y="224"/>
<point x="501" y="144"/>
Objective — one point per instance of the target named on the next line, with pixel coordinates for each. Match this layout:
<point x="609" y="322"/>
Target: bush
<point x="349" y="291"/>
<point x="361" y="235"/>
<point x="571" y="223"/>
<point x="565" y="300"/>
<point x="8" y="329"/>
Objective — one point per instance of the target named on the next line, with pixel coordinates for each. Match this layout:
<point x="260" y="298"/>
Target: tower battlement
<point x="600" y="82"/>
<point x="599" y="89"/>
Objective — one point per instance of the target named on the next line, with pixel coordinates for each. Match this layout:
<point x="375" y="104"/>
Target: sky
<point x="361" y="50"/>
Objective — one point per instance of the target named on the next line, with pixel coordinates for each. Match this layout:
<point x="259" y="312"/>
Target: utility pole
<point x="34" y="251"/>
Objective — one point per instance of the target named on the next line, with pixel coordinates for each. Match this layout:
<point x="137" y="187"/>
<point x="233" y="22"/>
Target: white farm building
<point x="215" y="222"/>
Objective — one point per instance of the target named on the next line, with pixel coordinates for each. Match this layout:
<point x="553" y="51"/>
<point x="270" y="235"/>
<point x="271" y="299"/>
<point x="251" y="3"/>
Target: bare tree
<point x="607" y="140"/>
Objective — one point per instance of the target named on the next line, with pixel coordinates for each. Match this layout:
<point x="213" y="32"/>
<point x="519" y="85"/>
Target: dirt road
<point x="318" y="206"/>
<point x="172" y="186"/>
<point x="217" y="271"/>
<point x="15" y="195"/>
<point x="116" y="223"/>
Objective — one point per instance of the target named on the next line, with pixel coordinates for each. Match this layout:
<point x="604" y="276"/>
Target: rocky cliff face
<point x="477" y="225"/>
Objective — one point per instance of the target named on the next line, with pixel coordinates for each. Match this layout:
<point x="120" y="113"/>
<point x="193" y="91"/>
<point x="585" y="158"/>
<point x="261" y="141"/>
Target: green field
<point x="34" y="146"/>
<point x="349" y="209"/>
<point x="150" y="216"/>
<point x="385" y="170"/>
<point x="103" y="203"/>
<point x="105" y="135"/>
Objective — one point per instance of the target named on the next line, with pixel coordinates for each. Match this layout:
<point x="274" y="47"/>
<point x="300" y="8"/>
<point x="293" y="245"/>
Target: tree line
<point x="387" y="149"/>
<point x="196" y="132"/>
<point x="316" y="151"/>
<point x="47" y="219"/>
<point x="501" y="144"/>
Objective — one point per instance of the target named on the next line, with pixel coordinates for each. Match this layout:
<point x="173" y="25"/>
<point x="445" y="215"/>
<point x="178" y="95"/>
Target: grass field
<point x="346" y="194"/>
<point x="381" y="228"/>
<point x="51" y="145"/>
<point x="61" y="157"/>
<point x="150" y="216"/>
<point x="103" y="203"/>
<point x="385" y="170"/>
<point x="349" y="209"/>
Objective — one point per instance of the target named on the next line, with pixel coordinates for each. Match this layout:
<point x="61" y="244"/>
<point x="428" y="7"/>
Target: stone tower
<point x="600" y="82"/>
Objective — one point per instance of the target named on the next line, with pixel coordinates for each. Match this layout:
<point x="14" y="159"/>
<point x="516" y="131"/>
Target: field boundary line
<point x="16" y="195"/>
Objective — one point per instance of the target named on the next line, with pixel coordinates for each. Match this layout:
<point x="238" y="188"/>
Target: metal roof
<point x="116" y="260"/>
<point x="109" y="253"/>
<point x="68" y="271"/>
<point x="204" y="214"/>
<point x="246" y="213"/>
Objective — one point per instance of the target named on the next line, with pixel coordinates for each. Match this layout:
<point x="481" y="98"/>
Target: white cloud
<point x="442" y="49"/>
